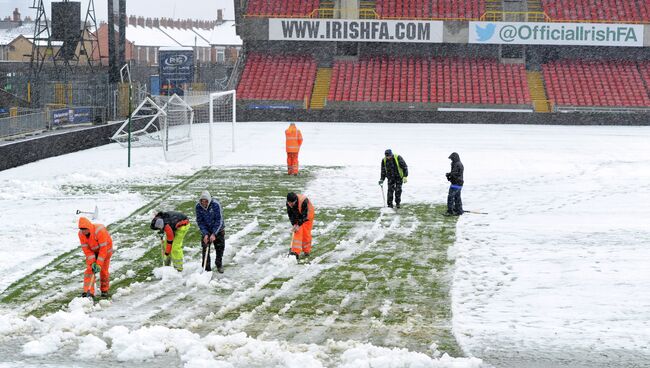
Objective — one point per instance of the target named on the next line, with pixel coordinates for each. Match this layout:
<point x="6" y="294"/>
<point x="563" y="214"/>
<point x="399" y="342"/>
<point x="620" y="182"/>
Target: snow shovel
<point x="476" y="212"/>
<point x="293" y="233"/>
<point x="162" y="250"/>
<point x="94" y="214"/>
<point x="381" y="187"/>
<point x="92" y="285"/>
<point x="205" y="258"/>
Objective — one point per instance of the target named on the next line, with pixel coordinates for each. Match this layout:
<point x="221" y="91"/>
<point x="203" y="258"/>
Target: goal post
<point x="222" y="109"/>
<point x="146" y="125"/>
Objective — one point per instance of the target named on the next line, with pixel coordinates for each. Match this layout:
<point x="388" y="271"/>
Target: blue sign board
<point x="77" y="115"/>
<point x="176" y="69"/>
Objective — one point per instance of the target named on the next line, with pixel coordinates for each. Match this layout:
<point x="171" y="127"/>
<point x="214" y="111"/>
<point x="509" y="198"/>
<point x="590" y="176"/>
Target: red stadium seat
<point x="287" y="78"/>
<point x="597" y="83"/>
<point x="427" y="9"/>
<point x="280" y="8"/>
<point x="431" y="80"/>
<point x="609" y="10"/>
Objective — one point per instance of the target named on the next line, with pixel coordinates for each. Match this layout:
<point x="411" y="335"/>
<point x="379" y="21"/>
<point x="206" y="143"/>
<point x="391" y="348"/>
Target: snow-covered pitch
<point x="556" y="272"/>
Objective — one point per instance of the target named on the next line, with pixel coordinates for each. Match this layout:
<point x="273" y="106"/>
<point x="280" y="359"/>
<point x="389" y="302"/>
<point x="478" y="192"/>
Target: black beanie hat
<point x="292" y="197"/>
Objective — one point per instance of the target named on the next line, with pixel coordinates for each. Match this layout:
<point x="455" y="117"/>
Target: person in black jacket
<point x="393" y="168"/>
<point x="173" y="225"/>
<point x="455" y="177"/>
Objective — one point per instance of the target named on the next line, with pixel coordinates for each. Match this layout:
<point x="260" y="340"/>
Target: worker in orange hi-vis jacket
<point x="301" y="214"/>
<point x="97" y="245"/>
<point x="294" y="141"/>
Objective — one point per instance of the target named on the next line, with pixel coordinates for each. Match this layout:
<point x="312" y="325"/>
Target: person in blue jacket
<point x="209" y="217"/>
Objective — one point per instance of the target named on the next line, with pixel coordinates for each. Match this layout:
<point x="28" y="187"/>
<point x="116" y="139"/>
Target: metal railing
<point x="21" y="125"/>
<point x="510" y="16"/>
<point x="30" y="121"/>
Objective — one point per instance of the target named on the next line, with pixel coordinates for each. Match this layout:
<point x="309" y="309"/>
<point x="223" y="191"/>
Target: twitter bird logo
<point x="485" y="33"/>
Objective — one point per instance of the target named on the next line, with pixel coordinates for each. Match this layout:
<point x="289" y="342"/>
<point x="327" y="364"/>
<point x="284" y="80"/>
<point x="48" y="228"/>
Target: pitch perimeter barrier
<point x="49" y="145"/>
<point x="30" y="122"/>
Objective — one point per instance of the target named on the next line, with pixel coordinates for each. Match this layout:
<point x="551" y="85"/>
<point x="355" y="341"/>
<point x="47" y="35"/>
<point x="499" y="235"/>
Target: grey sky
<point x="195" y="9"/>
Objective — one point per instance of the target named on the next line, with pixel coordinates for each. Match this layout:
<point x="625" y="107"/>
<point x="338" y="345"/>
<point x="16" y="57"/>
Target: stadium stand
<point x="429" y="80"/>
<point x="427" y="9"/>
<point x="275" y="77"/>
<point x="597" y="83"/>
<point x="610" y="10"/>
<point x="281" y="8"/>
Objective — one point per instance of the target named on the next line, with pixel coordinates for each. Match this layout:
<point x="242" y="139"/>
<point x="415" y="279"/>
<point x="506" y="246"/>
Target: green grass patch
<point x="375" y="276"/>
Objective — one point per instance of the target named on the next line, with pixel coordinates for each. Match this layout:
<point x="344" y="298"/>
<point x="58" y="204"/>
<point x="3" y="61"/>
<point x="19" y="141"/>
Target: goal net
<point x="176" y="127"/>
<point x="167" y="121"/>
<point x="161" y="121"/>
<point x="146" y="123"/>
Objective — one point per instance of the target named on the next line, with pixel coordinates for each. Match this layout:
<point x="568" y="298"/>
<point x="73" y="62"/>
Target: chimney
<point x="16" y="15"/>
<point x="141" y="21"/>
<point x="156" y="22"/>
<point x="219" y="15"/>
<point x="148" y="22"/>
<point x="133" y="20"/>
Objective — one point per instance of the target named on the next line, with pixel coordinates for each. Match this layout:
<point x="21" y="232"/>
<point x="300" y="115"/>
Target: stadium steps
<point x="321" y="88"/>
<point x="367" y="9"/>
<point x="493" y="11"/>
<point x="537" y="91"/>
<point x="326" y="9"/>
<point x="535" y="6"/>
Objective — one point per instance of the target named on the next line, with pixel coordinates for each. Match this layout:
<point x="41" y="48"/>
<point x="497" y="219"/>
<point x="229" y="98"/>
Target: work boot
<point x="397" y="205"/>
<point x="220" y="269"/>
<point x="390" y="205"/>
<point x="87" y="295"/>
<point x="294" y="254"/>
<point x="104" y="294"/>
<point x="168" y="261"/>
<point x="305" y="255"/>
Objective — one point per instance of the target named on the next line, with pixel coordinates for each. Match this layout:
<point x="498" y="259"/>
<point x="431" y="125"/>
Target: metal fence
<point x="29" y="122"/>
<point x="21" y="125"/>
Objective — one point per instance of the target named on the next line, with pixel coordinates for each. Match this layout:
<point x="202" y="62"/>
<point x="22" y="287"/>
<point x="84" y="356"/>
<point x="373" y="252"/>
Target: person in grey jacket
<point x="209" y="218"/>
<point x="455" y="177"/>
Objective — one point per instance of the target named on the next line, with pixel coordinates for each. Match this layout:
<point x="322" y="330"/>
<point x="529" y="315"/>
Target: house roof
<point x="8" y="35"/>
<point x="145" y="36"/>
<point x="185" y="37"/>
<point x="224" y="35"/>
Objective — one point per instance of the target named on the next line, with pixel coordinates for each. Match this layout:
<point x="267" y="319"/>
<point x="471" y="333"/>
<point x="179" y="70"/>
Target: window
<point x="221" y="55"/>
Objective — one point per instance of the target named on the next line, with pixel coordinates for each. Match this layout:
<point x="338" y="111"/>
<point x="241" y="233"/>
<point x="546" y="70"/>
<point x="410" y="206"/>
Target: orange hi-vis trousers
<point x="302" y="238"/>
<point x="104" y="277"/>
<point x="292" y="163"/>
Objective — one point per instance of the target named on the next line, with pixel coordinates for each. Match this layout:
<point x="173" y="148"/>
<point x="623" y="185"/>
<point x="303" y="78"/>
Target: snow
<point x="558" y="266"/>
<point x="223" y="34"/>
<point x="185" y="37"/>
<point x="8" y="35"/>
<point x="148" y="36"/>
